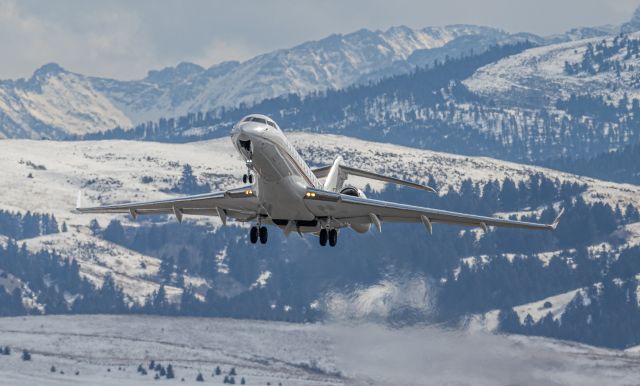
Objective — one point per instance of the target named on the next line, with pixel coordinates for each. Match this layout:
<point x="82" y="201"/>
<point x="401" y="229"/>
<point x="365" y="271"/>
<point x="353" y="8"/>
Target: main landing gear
<point x="330" y="235"/>
<point x="258" y="232"/>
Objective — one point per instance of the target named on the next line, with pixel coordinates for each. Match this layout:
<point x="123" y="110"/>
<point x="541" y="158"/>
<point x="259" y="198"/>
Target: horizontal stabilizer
<point x="324" y="172"/>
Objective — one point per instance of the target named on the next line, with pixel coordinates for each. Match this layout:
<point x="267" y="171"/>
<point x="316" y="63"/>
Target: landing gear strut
<point x="248" y="177"/>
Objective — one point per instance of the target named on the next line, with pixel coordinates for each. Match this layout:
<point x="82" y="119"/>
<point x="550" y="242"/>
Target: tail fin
<point x="335" y="176"/>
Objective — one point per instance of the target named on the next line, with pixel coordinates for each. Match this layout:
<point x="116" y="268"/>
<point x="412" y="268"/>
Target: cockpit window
<point x="247" y="119"/>
<point x="259" y="120"/>
<point x="271" y="123"/>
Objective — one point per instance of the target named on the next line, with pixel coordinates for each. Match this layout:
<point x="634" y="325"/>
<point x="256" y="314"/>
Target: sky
<point x="124" y="39"/>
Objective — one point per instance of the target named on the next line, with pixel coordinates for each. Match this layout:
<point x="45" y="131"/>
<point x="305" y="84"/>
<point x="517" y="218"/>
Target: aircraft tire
<point x="333" y="237"/>
<point x="323" y="237"/>
<point x="253" y="235"/>
<point x="264" y="235"/>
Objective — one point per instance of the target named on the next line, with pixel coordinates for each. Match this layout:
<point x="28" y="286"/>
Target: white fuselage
<point x="282" y="175"/>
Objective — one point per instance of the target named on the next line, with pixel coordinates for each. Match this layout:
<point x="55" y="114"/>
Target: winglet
<point x="429" y="189"/>
<point x="555" y="223"/>
<point x="79" y="200"/>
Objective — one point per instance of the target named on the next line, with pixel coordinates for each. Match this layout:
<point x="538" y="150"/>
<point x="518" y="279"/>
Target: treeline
<point x="23" y="226"/>
<point x="622" y="165"/>
<point x="599" y="108"/>
<point x="599" y="57"/>
<point x="602" y="314"/>
<point x="48" y="275"/>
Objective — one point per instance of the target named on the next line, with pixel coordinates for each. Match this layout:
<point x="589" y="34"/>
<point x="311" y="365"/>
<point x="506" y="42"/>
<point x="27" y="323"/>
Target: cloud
<point x="393" y="296"/>
<point x="374" y="354"/>
<point x="95" y="43"/>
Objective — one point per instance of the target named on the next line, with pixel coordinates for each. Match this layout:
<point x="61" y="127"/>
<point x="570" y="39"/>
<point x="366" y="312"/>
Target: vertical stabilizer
<point x="336" y="177"/>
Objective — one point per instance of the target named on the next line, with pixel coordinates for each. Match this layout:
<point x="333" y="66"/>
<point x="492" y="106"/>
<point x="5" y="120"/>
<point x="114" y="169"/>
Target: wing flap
<point x="238" y="203"/>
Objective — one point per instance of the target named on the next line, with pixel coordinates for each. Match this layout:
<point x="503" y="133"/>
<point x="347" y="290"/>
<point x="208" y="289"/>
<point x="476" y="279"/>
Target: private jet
<point x="283" y="191"/>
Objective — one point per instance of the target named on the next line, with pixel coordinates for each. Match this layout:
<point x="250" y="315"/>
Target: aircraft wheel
<point x="253" y="235"/>
<point x="251" y="178"/>
<point x="333" y="237"/>
<point x="323" y="237"/>
<point x="244" y="178"/>
<point x="263" y="235"/>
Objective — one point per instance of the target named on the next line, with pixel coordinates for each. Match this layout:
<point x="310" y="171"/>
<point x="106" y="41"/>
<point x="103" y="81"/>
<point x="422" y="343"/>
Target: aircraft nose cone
<point x="249" y="129"/>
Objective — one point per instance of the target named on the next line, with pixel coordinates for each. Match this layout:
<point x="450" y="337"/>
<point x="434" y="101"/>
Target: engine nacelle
<point x="362" y="227"/>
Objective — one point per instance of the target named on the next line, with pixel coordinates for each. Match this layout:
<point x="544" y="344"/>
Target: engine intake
<point x="360" y="227"/>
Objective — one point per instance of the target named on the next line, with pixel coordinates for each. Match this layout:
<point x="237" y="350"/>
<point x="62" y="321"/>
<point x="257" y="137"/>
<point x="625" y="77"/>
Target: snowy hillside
<point x="135" y="273"/>
<point x="55" y="102"/>
<point x="102" y="352"/>
<point x="46" y="175"/>
<point x="537" y="77"/>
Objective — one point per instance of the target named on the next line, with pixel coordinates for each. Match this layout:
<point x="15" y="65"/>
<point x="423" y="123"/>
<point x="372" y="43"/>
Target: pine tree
<point x="200" y="378"/>
<point x="115" y="232"/>
<point x="170" y="374"/>
<point x="94" y="226"/>
<point x="218" y="370"/>
<point x="26" y="356"/>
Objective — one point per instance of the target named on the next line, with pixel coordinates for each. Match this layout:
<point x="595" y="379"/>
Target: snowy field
<point x="106" y="350"/>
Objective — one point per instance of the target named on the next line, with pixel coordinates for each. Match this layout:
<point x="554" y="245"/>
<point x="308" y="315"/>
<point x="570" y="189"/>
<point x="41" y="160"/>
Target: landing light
<point x="310" y="194"/>
<point x="248" y="192"/>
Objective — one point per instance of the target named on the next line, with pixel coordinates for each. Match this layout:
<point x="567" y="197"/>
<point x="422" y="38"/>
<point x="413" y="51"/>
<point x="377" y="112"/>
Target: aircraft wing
<point x="351" y="209"/>
<point x="240" y="203"/>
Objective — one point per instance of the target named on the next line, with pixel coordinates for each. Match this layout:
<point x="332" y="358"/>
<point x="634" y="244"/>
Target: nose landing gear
<point x="248" y="177"/>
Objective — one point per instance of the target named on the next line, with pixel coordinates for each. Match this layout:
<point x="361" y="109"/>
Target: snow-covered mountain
<point x="538" y="77"/>
<point x="54" y="102"/>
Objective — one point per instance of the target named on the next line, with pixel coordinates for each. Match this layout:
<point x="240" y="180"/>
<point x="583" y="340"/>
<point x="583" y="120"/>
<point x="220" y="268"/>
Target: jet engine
<point x="360" y="227"/>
